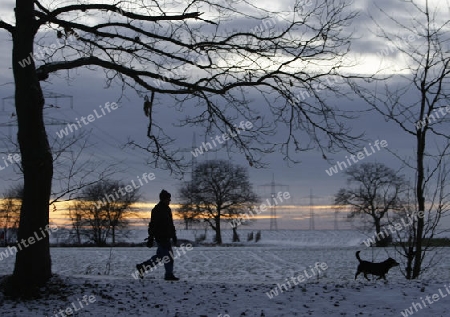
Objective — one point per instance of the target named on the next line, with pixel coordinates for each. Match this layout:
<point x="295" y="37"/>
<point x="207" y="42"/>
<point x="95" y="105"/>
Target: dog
<point x="378" y="269"/>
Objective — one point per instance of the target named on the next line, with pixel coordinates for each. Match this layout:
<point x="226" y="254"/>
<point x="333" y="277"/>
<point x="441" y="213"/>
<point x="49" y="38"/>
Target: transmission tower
<point x="311" y="211"/>
<point x="336" y="213"/>
<point x="312" y="215"/>
<point x="273" y="212"/>
<point x="193" y="158"/>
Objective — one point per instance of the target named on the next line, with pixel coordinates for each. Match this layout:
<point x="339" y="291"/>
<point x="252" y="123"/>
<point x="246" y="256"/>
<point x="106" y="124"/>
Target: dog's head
<point x="391" y="262"/>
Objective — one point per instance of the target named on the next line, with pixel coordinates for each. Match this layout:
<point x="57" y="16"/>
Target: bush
<point x="258" y="236"/>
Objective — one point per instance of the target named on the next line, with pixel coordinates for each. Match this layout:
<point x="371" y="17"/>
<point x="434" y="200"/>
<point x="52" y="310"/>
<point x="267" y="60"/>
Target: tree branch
<point x="115" y="9"/>
<point x="214" y="66"/>
<point x="7" y="27"/>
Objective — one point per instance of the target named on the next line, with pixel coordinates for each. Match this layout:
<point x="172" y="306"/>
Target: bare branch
<point x="7" y="27"/>
<point x="115" y="9"/>
<point x="216" y="66"/>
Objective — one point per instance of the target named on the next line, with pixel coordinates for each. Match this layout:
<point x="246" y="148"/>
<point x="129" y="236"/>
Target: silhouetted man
<point x="161" y="229"/>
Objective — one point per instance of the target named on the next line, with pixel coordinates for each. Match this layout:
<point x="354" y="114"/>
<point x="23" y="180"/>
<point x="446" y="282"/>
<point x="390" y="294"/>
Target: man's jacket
<point x="161" y="225"/>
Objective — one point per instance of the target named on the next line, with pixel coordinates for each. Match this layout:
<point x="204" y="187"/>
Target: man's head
<point x="165" y="196"/>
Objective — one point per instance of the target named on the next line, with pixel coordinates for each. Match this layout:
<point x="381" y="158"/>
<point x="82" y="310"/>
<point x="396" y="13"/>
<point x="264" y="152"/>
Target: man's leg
<point x="169" y="266"/>
<point x="166" y="257"/>
<point x="149" y="264"/>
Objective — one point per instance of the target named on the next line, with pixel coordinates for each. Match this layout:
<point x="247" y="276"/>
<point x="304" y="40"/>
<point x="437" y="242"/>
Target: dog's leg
<point x="365" y="275"/>
<point x="358" y="270"/>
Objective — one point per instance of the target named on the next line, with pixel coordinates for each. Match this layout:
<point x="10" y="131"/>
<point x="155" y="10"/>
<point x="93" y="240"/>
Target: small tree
<point x="410" y="217"/>
<point x="218" y="191"/>
<point x="10" y="211"/>
<point x="75" y="216"/>
<point x="378" y="191"/>
<point x="240" y="219"/>
<point x="102" y="209"/>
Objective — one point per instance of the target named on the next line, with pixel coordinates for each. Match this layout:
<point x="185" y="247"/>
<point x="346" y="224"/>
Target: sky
<point x="83" y="92"/>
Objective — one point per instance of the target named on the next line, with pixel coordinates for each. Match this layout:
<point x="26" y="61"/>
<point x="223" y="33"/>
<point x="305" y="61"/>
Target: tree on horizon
<point x="377" y="191"/>
<point x="218" y="191"/>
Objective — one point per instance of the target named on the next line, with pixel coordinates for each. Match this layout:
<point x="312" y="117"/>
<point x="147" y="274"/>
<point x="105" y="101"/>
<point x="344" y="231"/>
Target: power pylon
<point x="312" y="215"/>
<point x="193" y="158"/>
<point x="311" y="211"/>
<point x="273" y="211"/>
<point x="336" y="213"/>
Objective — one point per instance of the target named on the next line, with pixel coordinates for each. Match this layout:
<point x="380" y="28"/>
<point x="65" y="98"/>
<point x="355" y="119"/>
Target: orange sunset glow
<point x="293" y="216"/>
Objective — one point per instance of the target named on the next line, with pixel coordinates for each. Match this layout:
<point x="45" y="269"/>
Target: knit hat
<point x="164" y="194"/>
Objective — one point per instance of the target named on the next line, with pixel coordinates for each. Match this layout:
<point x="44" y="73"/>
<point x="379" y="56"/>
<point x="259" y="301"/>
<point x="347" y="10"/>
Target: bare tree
<point x="406" y="238"/>
<point x="153" y="48"/>
<point x="189" y="216"/>
<point x="418" y="103"/>
<point x="74" y="170"/>
<point x="78" y="229"/>
<point x="10" y="211"/>
<point x="102" y="209"/>
<point x="218" y="191"/>
<point x="378" y="191"/>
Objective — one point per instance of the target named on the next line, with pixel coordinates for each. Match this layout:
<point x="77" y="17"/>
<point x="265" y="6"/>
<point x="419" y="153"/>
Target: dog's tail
<point x="357" y="256"/>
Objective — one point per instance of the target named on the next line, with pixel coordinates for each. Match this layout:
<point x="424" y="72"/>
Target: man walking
<point x="161" y="229"/>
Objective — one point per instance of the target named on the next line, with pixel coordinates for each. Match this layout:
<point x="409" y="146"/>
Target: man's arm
<point x="155" y="221"/>
<point x="174" y="231"/>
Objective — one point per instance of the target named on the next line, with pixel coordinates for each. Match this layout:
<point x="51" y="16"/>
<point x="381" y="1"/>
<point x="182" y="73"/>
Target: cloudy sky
<point x="83" y="91"/>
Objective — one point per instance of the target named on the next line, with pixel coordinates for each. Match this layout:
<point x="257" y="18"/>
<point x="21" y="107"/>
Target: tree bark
<point x="235" y="235"/>
<point x="377" y="222"/>
<point x="421" y="204"/>
<point x="33" y="264"/>
<point x="409" y="258"/>
<point x="113" y="234"/>
<point x="218" y="233"/>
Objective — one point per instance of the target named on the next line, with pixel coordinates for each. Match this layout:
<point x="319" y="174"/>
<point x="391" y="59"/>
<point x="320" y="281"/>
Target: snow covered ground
<point x="287" y="273"/>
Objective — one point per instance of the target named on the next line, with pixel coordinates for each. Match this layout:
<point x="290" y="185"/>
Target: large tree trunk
<point x="113" y="234"/>
<point x="33" y="264"/>
<point x="218" y="230"/>
<point x="377" y="222"/>
<point x="409" y="257"/>
<point x="421" y="204"/>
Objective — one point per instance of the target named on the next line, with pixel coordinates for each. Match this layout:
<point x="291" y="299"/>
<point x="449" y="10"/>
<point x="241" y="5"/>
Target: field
<point x="252" y="279"/>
